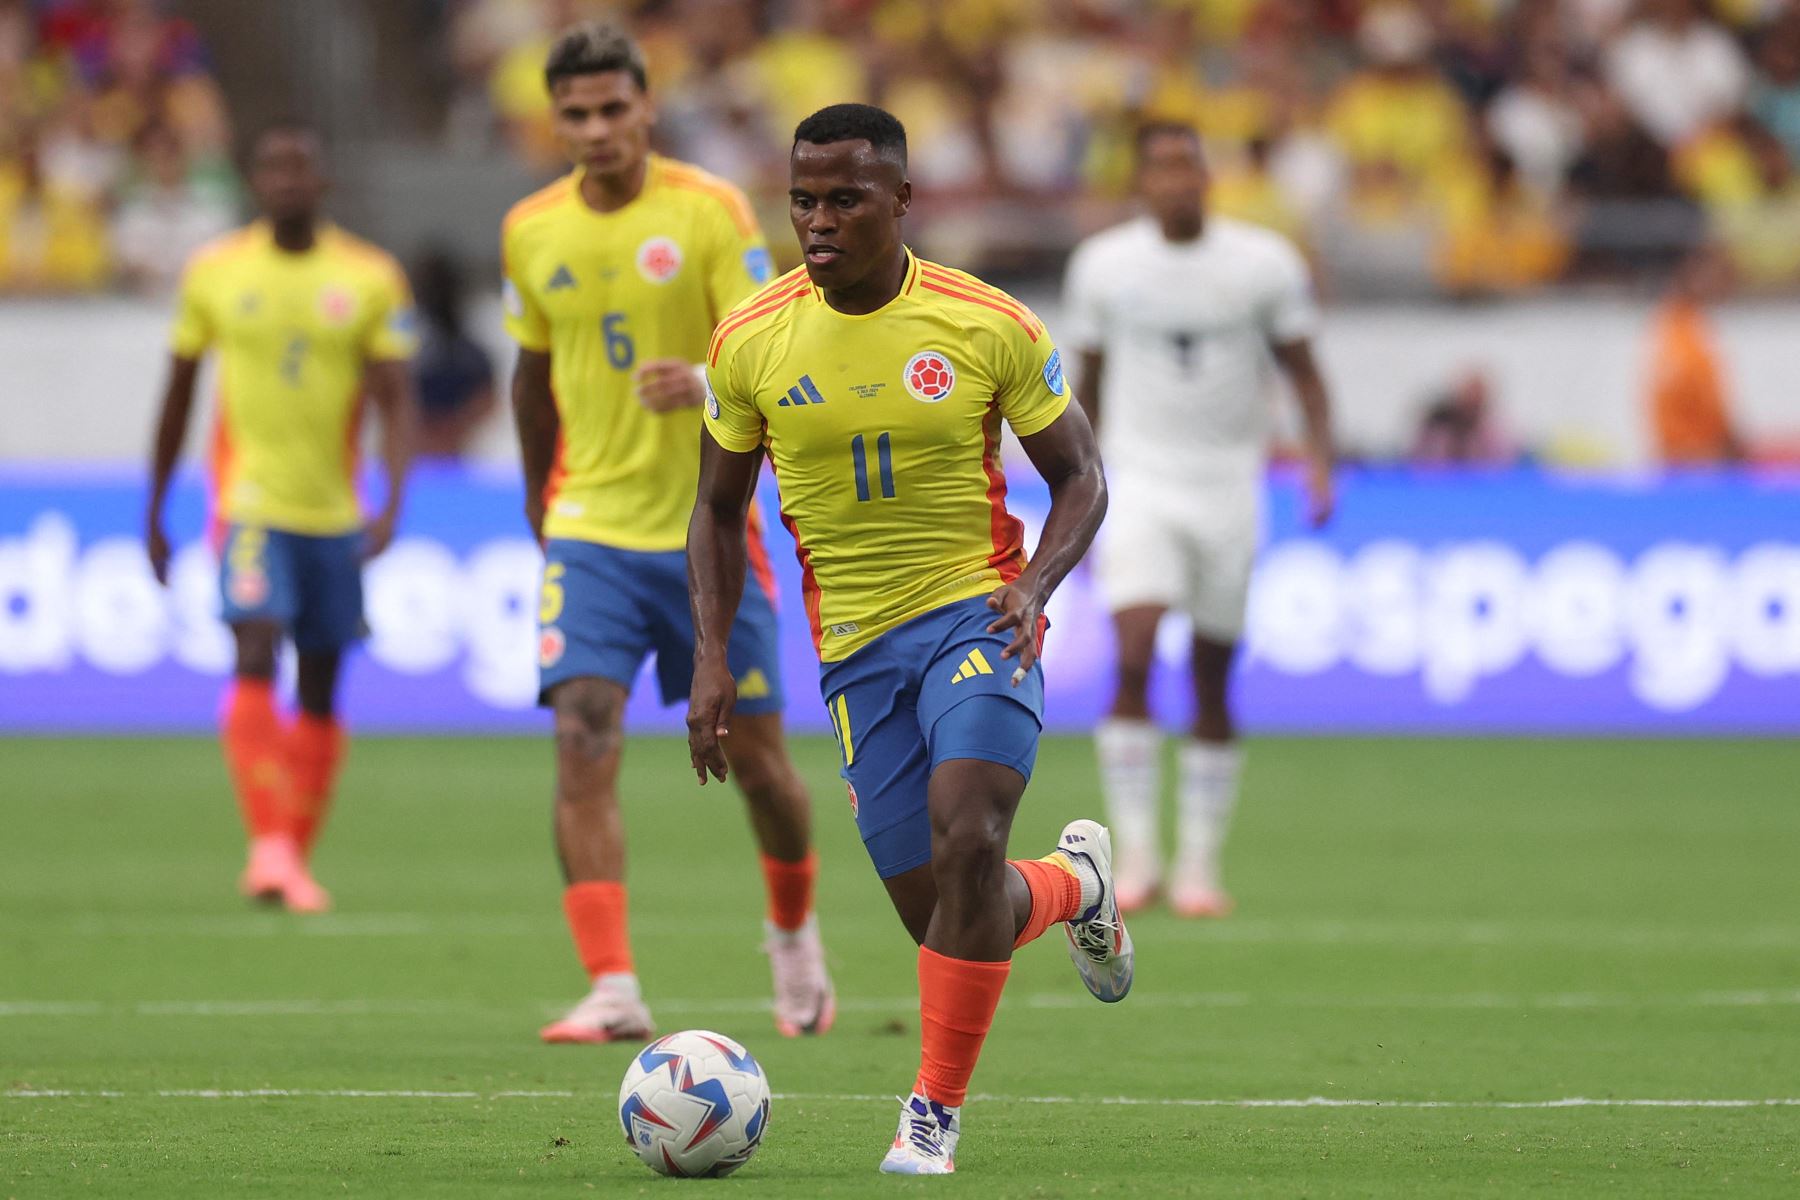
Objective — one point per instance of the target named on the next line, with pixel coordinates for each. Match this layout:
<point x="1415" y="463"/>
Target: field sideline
<point x="1459" y="968"/>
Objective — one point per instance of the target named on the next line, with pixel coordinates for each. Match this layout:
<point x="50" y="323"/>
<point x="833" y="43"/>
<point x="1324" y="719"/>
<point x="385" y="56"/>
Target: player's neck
<point x="610" y="193"/>
<point x="1188" y="227"/>
<point x="874" y="290"/>
<point x="295" y="235"/>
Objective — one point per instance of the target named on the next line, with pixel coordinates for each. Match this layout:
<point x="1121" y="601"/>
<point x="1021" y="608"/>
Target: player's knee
<point x="587" y="720"/>
<point x="968" y="846"/>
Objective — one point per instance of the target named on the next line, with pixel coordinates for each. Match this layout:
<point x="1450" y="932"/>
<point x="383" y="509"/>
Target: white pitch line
<point x="1447" y="1001"/>
<point x="882" y="1098"/>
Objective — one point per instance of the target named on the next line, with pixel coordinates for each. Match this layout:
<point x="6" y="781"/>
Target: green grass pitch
<point x="1446" y="927"/>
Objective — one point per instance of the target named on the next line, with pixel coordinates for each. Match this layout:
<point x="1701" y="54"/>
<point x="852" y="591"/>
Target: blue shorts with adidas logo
<point x="902" y="705"/>
<point x="604" y="609"/>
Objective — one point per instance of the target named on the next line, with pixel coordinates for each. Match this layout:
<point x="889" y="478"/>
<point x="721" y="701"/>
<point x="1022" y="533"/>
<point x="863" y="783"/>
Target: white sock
<point x="1209" y="787"/>
<point x="1130" y="753"/>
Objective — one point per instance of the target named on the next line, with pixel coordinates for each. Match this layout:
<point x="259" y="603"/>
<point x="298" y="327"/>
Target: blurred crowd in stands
<point x="1468" y="146"/>
<point x="115" y="146"/>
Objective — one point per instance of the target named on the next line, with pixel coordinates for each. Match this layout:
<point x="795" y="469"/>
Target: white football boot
<point x="613" y="1011"/>
<point x="804" y="999"/>
<point x="1098" y="944"/>
<point x="925" y="1143"/>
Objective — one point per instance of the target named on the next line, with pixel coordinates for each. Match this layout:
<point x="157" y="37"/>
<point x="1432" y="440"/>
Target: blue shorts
<point x="898" y="706"/>
<point x="310" y="586"/>
<point x="604" y="609"/>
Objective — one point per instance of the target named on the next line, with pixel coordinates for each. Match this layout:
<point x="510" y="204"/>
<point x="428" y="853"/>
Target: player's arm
<point x="536" y="419"/>
<point x="1302" y="370"/>
<point x="716" y="561"/>
<point x="1067" y="456"/>
<point x="388" y="383"/>
<point x="171" y="433"/>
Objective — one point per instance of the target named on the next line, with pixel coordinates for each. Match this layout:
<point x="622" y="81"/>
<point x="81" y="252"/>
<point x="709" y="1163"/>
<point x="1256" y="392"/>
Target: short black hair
<point x="1149" y="131"/>
<point x="594" y="48"/>
<point x="855" y="123"/>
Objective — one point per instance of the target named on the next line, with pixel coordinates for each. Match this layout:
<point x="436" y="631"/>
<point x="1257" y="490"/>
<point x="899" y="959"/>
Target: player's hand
<point x="710" y="700"/>
<point x="1019" y="611"/>
<point x="378" y="534"/>
<point x="156" y="546"/>
<point x="1321" y="494"/>
<point x="666" y="384"/>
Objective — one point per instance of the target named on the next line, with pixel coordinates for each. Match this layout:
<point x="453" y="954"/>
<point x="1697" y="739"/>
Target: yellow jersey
<point x="604" y="292"/>
<point x="294" y="333"/>
<point x="884" y="430"/>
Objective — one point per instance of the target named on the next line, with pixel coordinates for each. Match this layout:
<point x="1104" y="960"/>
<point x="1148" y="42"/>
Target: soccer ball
<point x="694" y="1103"/>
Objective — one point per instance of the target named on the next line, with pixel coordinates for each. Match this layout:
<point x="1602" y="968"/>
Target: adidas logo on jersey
<point x="563" y="278"/>
<point x="803" y="392"/>
<point x="975" y="664"/>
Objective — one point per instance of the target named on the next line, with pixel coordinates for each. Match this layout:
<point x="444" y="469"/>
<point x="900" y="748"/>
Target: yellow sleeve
<point x="739" y="258"/>
<point x="1029" y="378"/>
<point x="393" y="333"/>
<point x="525" y="321"/>
<point x="731" y="415"/>
<point x="193" y="329"/>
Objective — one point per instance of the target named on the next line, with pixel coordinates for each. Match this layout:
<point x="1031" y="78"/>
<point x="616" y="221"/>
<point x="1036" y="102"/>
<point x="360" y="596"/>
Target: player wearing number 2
<point x="877" y="384"/>
<point x="615" y="277"/>
<point x="306" y="322"/>
<point x="1178" y="317"/>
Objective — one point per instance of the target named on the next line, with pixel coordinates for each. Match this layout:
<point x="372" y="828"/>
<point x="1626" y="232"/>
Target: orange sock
<point x="790" y="886"/>
<point x="315" y="752"/>
<point x="957" y="999"/>
<point x="251" y="733"/>
<point x="1055" y="895"/>
<point x="596" y="912"/>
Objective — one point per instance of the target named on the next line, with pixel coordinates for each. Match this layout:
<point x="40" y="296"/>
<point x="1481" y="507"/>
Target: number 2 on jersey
<point x="884" y="461"/>
<point x="619" y="350"/>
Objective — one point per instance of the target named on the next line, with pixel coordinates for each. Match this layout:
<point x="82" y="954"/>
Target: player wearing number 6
<point x="615" y="277"/>
<point x="877" y="384"/>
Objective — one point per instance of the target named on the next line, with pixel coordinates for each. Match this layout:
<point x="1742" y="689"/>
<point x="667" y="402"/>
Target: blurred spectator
<point x="1675" y="70"/>
<point x="1775" y="98"/>
<point x="1689" y="408"/>
<point x="1459" y="427"/>
<point x="52" y="238"/>
<point x="516" y="82"/>
<point x="1396" y="120"/>
<point x="166" y="213"/>
<point x="1500" y="236"/>
<point x="1537" y="120"/>
<point x="1244" y="187"/>
<point x="454" y="375"/>
<point x="1744" y="176"/>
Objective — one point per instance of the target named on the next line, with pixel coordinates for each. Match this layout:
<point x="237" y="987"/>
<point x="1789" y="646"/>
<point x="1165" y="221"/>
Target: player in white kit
<point x="1179" y="319"/>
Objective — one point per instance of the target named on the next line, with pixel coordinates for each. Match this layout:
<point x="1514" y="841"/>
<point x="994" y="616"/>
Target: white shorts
<point x="1186" y="550"/>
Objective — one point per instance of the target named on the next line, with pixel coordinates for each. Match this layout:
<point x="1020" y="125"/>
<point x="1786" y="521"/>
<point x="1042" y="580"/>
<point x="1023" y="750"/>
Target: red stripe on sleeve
<point x="1006" y="531"/>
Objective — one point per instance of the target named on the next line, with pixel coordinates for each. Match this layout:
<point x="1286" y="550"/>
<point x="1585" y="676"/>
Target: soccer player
<point x="615" y="277"/>
<point x="307" y="321"/>
<point x="876" y="384"/>
<point x="1177" y="317"/>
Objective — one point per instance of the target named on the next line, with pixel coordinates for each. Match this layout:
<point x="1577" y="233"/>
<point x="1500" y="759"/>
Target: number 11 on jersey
<point x="884" y="461"/>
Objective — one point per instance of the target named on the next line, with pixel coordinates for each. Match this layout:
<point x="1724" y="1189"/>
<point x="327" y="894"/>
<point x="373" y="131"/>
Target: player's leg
<point x="1210" y="765"/>
<point x="982" y="737"/>
<point x="1210" y="761"/>
<point x="256" y="586"/>
<point x="779" y="808"/>
<point x="328" y="620"/>
<point x="781" y="819"/>
<point x="590" y="844"/>
<point x="1141" y="567"/>
<point x="594" y="635"/>
<point x="1130" y="747"/>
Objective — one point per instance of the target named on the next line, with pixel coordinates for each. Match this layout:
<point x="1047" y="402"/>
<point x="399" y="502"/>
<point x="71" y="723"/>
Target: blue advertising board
<point x="1504" y="603"/>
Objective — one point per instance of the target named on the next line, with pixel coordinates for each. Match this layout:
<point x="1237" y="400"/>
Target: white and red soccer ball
<point x="694" y="1104"/>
